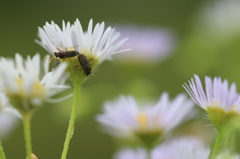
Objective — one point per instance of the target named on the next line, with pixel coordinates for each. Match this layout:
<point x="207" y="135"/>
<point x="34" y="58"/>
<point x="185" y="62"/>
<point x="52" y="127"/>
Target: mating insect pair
<point x="84" y="62"/>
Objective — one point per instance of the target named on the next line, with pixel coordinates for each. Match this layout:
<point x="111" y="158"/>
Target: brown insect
<point x="62" y="54"/>
<point x="65" y="54"/>
<point x="86" y="66"/>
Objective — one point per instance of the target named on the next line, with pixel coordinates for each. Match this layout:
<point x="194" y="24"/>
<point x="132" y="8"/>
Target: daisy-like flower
<point x="8" y="116"/>
<point x="20" y="80"/>
<point x="220" y="101"/>
<point x="95" y="45"/>
<point x="124" y="118"/>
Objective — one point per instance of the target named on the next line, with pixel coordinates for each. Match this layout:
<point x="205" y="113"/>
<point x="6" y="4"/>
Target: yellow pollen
<point x="142" y="120"/>
<point x="19" y="81"/>
<point x="38" y="89"/>
<point x="233" y="106"/>
<point x="214" y="103"/>
<point x="70" y="49"/>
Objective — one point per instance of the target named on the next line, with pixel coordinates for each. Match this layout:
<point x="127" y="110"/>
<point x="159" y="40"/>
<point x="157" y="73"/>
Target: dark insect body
<point x="62" y="54"/>
<point x="66" y="54"/>
<point x="84" y="62"/>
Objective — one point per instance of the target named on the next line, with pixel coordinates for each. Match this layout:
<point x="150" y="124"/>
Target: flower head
<point x="124" y="118"/>
<point x="24" y="86"/>
<point x="220" y="102"/>
<point x="95" y="44"/>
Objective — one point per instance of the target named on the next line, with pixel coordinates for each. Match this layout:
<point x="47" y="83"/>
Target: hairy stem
<point x="217" y="145"/>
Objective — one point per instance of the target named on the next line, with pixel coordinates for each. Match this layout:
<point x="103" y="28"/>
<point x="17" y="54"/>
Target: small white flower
<point x="125" y="118"/>
<point x="8" y="116"/>
<point x="94" y="43"/>
<point x="21" y="81"/>
<point x="216" y="94"/>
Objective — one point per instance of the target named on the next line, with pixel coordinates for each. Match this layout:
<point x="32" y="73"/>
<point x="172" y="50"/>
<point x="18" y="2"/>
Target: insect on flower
<point x="84" y="62"/>
<point x="62" y="54"/>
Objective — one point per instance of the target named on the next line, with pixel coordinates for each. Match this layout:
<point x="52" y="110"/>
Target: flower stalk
<point x="216" y="145"/>
<point x="27" y="133"/>
<point x="77" y="87"/>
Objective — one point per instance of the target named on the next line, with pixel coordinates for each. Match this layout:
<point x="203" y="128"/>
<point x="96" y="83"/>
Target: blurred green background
<point x="197" y="51"/>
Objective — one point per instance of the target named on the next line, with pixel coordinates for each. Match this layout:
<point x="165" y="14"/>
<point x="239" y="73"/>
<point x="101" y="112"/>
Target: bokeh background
<point x="200" y="41"/>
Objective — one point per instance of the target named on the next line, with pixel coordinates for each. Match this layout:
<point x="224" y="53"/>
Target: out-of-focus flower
<point x="8" y="116"/>
<point x="222" y="17"/>
<point x="220" y="102"/>
<point x="124" y="118"/>
<point x="128" y="153"/>
<point x="227" y="155"/>
<point x="148" y="44"/>
<point x="20" y="80"/>
<point x="183" y="148"/>
<point x="95" y="44"/>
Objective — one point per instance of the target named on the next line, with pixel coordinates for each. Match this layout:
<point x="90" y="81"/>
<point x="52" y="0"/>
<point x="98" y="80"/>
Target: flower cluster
<point x="27" y="83"/>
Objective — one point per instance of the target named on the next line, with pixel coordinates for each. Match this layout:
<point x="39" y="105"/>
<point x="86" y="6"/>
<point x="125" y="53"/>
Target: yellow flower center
<point x="143" y="121"/>
<point x="70" y="49"/>
<point x="233" y="107"/>
<point x="38" y="90"/>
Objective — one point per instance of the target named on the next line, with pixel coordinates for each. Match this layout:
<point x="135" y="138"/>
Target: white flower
<point x="216" y="94"/>
<point x="128" y="153"/>
<point x="21" y="81"/>
<point x="94" y="43"/>
<point x="125" y="118"/>
<point x="8" y="116"/>
<point x="183" y="148"/>
<point x="148" y="44"/>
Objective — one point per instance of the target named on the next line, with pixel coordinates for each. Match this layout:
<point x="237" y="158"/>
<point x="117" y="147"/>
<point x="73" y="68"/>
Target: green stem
<point x="149" y="153"/>
<point x="77" y="88"/>
<point x="2" y="154"/>
<point x="27" y="133"/>
<point x="216" y="146"/>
